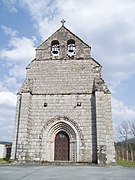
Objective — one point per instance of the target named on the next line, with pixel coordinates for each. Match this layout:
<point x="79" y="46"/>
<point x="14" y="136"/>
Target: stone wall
<point x="74" y="107"/>
<point x="62" y="76"/>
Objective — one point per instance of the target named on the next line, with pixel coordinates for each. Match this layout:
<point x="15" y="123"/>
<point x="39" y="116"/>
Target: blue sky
<point x="108" y="26"/>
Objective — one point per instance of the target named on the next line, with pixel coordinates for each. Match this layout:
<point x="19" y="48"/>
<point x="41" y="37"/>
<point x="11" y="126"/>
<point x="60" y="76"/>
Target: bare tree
<point x="132" y="127"/>
<point x="124" y="131"/>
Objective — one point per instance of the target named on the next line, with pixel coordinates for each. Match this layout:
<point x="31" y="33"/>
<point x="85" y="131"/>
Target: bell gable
<point x="63" y="44"/>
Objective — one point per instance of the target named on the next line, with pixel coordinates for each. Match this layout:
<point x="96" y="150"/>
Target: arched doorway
<point x="61" y="149"/>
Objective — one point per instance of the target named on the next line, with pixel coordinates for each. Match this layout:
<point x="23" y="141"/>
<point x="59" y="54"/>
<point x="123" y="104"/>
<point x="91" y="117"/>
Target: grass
<point x="119" y="162"/>
<point x="126" y="163"/>
<point x="4" y="161"/>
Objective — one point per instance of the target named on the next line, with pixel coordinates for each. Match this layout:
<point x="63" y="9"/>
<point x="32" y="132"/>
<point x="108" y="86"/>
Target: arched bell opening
<point x="55" y="48"/>
<point x="71" y="47"/>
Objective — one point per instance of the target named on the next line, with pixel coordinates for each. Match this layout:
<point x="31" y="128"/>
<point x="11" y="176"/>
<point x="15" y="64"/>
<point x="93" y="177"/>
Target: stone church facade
<point x="63" y="110"/>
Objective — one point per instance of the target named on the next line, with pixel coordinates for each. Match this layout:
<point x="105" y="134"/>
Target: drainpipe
<point x="18" y="123"/>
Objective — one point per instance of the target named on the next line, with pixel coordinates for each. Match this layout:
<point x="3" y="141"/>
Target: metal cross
<point x="63" y="21"/>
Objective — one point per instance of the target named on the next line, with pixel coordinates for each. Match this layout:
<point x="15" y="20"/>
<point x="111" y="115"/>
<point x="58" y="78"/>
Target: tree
<point x="126" y="131"/>
<point x="132" y="127"/>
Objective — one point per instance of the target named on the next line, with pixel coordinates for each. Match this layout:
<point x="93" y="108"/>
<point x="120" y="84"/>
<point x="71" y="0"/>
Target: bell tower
<point x="63" y="110"/>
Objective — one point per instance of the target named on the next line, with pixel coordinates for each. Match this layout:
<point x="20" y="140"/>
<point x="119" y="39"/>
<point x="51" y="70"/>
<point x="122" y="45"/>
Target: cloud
<point x="122" y="111"/>
<point x="9" y="31"/>
<point x="16" y="56"/>
<point x="7" y="117"/>
<point x="43" y="14"/>
<point x="17" y="71"/>
<point x="2" y="87"/>
<point x="18" y="53"/>
<point x="11" y="82"/>
<point x="10" y="5"/>
<point x="19" y="49"/>
<point x="7" y="98"/>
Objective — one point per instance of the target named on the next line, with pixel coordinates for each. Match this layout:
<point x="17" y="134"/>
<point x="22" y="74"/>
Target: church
<point x="63" y="111"/>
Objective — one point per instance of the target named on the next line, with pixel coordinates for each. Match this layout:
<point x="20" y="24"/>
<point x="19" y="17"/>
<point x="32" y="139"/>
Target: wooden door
<point x="61" y="147"/>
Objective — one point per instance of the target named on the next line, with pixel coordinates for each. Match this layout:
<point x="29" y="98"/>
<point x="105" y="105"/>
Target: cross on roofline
<point x="63" y="22"/>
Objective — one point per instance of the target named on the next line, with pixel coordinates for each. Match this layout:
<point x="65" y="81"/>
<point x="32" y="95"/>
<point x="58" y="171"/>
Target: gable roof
<point x="60" y="30"/>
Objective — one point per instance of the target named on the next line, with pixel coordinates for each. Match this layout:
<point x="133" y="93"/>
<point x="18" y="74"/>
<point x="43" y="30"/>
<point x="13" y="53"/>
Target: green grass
<point x="126" y="163"/>
<point x="4" y="161"/>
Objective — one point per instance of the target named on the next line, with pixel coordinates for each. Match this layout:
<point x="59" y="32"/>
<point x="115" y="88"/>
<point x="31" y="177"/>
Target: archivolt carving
<point x="61" y="123"/>
<point x="62" y="126"/>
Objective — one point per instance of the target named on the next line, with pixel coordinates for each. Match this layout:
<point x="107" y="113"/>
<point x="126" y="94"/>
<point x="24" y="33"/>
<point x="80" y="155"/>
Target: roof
<point x="66" y="30"/>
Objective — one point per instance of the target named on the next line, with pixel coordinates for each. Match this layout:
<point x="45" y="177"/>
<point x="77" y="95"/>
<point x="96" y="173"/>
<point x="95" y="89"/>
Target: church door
<point x="61" y="147"/>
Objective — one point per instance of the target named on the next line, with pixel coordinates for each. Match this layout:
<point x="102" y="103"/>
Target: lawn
<point x="4" y="161"/>
<point x="126" y="163"/>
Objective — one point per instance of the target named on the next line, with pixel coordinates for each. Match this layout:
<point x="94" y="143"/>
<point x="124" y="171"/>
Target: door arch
<point x="61" y="149"/>
<point x="47" y="138"/>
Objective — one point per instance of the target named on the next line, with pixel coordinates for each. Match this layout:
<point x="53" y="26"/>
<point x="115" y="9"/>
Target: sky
<point x="108" y="26"/>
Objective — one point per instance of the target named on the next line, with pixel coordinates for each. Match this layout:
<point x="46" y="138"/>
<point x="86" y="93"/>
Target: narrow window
<point x="71" y="47"/>
<point x="55" y="48"/>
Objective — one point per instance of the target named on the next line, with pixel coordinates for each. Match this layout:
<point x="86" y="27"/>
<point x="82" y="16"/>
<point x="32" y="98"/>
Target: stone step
<point x="55" y="163"/>
<point x="67" y="163"/>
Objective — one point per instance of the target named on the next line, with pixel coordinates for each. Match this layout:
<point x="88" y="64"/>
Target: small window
<point x="55" y="48"/>
<point x="71" y="47"/>
<point x="79" y="104"/>
<point x="45" y="104"/>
